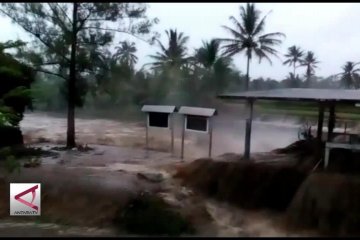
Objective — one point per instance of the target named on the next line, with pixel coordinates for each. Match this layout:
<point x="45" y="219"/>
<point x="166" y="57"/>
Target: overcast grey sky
<point x="329" y="29"/>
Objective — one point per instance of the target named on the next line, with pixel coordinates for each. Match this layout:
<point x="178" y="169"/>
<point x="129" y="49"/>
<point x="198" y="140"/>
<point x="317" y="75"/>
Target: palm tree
<point x="248" y="35"/>
<point x="310" y="62"/>
<point x="175" y="54"/>
<point x="208" y="54"/>
<point x="170" y="62"/>
<point x="349" y="76"/>
<point x="126" y="53"/>
<point x="215" y="64"/>
<point x="294" y="56"/>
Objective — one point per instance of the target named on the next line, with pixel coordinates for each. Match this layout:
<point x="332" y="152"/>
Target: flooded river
<point x="124" y="157"/>
<point x="228" y="135"/>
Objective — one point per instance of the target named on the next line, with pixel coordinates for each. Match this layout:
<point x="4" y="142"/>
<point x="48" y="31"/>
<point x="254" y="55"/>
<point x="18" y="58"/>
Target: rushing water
<point x="228" y="136"/>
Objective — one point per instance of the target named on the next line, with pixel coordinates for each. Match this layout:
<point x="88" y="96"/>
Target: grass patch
<point x="306" y="109"/>
<point x="23" y="152"/>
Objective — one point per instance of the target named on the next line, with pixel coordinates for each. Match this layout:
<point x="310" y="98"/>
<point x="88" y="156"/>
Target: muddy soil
<point x="112" y="171"/>
<point x="110" y="179"/>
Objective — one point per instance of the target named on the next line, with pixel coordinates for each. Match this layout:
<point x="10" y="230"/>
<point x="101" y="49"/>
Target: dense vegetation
<point x="16" y="79"/>
<point x="79" y="64"/>
<point x="15" y="96"/>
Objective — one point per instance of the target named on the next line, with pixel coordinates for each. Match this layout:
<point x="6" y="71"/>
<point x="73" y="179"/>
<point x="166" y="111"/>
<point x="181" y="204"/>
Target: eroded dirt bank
<point x="109" y="176"/>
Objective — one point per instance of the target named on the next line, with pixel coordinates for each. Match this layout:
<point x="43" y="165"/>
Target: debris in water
<point x="99" y="153"/>
<point x="84" y="148"/>
<point x="184" y="193"/>
<point x="32" y="163"/>
<point x="152" y="177"/>
<point x="171" y="200"/>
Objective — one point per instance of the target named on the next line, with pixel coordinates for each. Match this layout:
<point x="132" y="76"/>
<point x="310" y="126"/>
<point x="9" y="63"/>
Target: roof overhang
<point x="298" y="94"/>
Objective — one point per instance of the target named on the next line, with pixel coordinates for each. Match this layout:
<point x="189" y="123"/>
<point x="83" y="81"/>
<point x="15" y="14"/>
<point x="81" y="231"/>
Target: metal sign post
<point x="183" y="138"/>
<point x="172" y="134"/>
<point x="159" y="117"/>
<point x="248" y="124"/>
<point x="197" y="120"/>
<point x="210" y="136"/>
<point x="147" y="139"/>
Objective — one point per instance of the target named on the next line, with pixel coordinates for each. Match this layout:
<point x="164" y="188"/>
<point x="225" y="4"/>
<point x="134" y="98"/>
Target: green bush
<point x="11" y="165"/>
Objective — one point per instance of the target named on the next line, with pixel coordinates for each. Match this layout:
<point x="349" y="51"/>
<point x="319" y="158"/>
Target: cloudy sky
<point x="329" y="29"/>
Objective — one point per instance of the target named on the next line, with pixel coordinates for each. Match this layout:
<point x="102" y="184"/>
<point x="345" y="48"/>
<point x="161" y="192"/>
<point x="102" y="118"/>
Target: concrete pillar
<point x="331" y="123"/>
<point x="320" y="121"/>
<point x="248" y="130"/>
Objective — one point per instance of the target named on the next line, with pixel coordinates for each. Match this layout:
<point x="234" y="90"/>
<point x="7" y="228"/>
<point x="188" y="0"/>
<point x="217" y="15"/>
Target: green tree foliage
<point x="174" y="55"/>
<point x="183" y="78"/>
<point x="310" y="62"/>
<point x="126" y="53"/>
<point x="248" y="36"/>
<point x="292" y="81"/>
<point x="47" y="92"/>
<point x="216" y="66"/>
<point x="169" y="66"/>
<point x="294" y="56"/>
<point x="68" y="38"/>
<point x="16" y="79"/>
<point x="349" y="76"/>
<point x="264" y="84"/>
<point x="109" y="79"/>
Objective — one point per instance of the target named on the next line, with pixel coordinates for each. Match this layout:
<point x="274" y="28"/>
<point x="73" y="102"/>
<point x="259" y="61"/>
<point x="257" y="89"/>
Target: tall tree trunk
<point x="356" y="82"/>
<point x="308" y="76"/>
<point x="70" y="141"/>
<point x="247" y="74"/>
<point x="294" y="70"/>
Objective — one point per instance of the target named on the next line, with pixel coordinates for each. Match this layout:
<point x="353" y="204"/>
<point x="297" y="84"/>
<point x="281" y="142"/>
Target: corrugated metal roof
<point x="158" y="108"/>
<point x="196" y="111"/>
<point x="302" y="94"/>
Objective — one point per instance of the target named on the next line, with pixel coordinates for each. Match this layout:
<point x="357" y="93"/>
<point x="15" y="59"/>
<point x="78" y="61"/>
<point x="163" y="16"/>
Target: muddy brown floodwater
<point x="228" y="135"/>
<point x="119" y="156"/>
